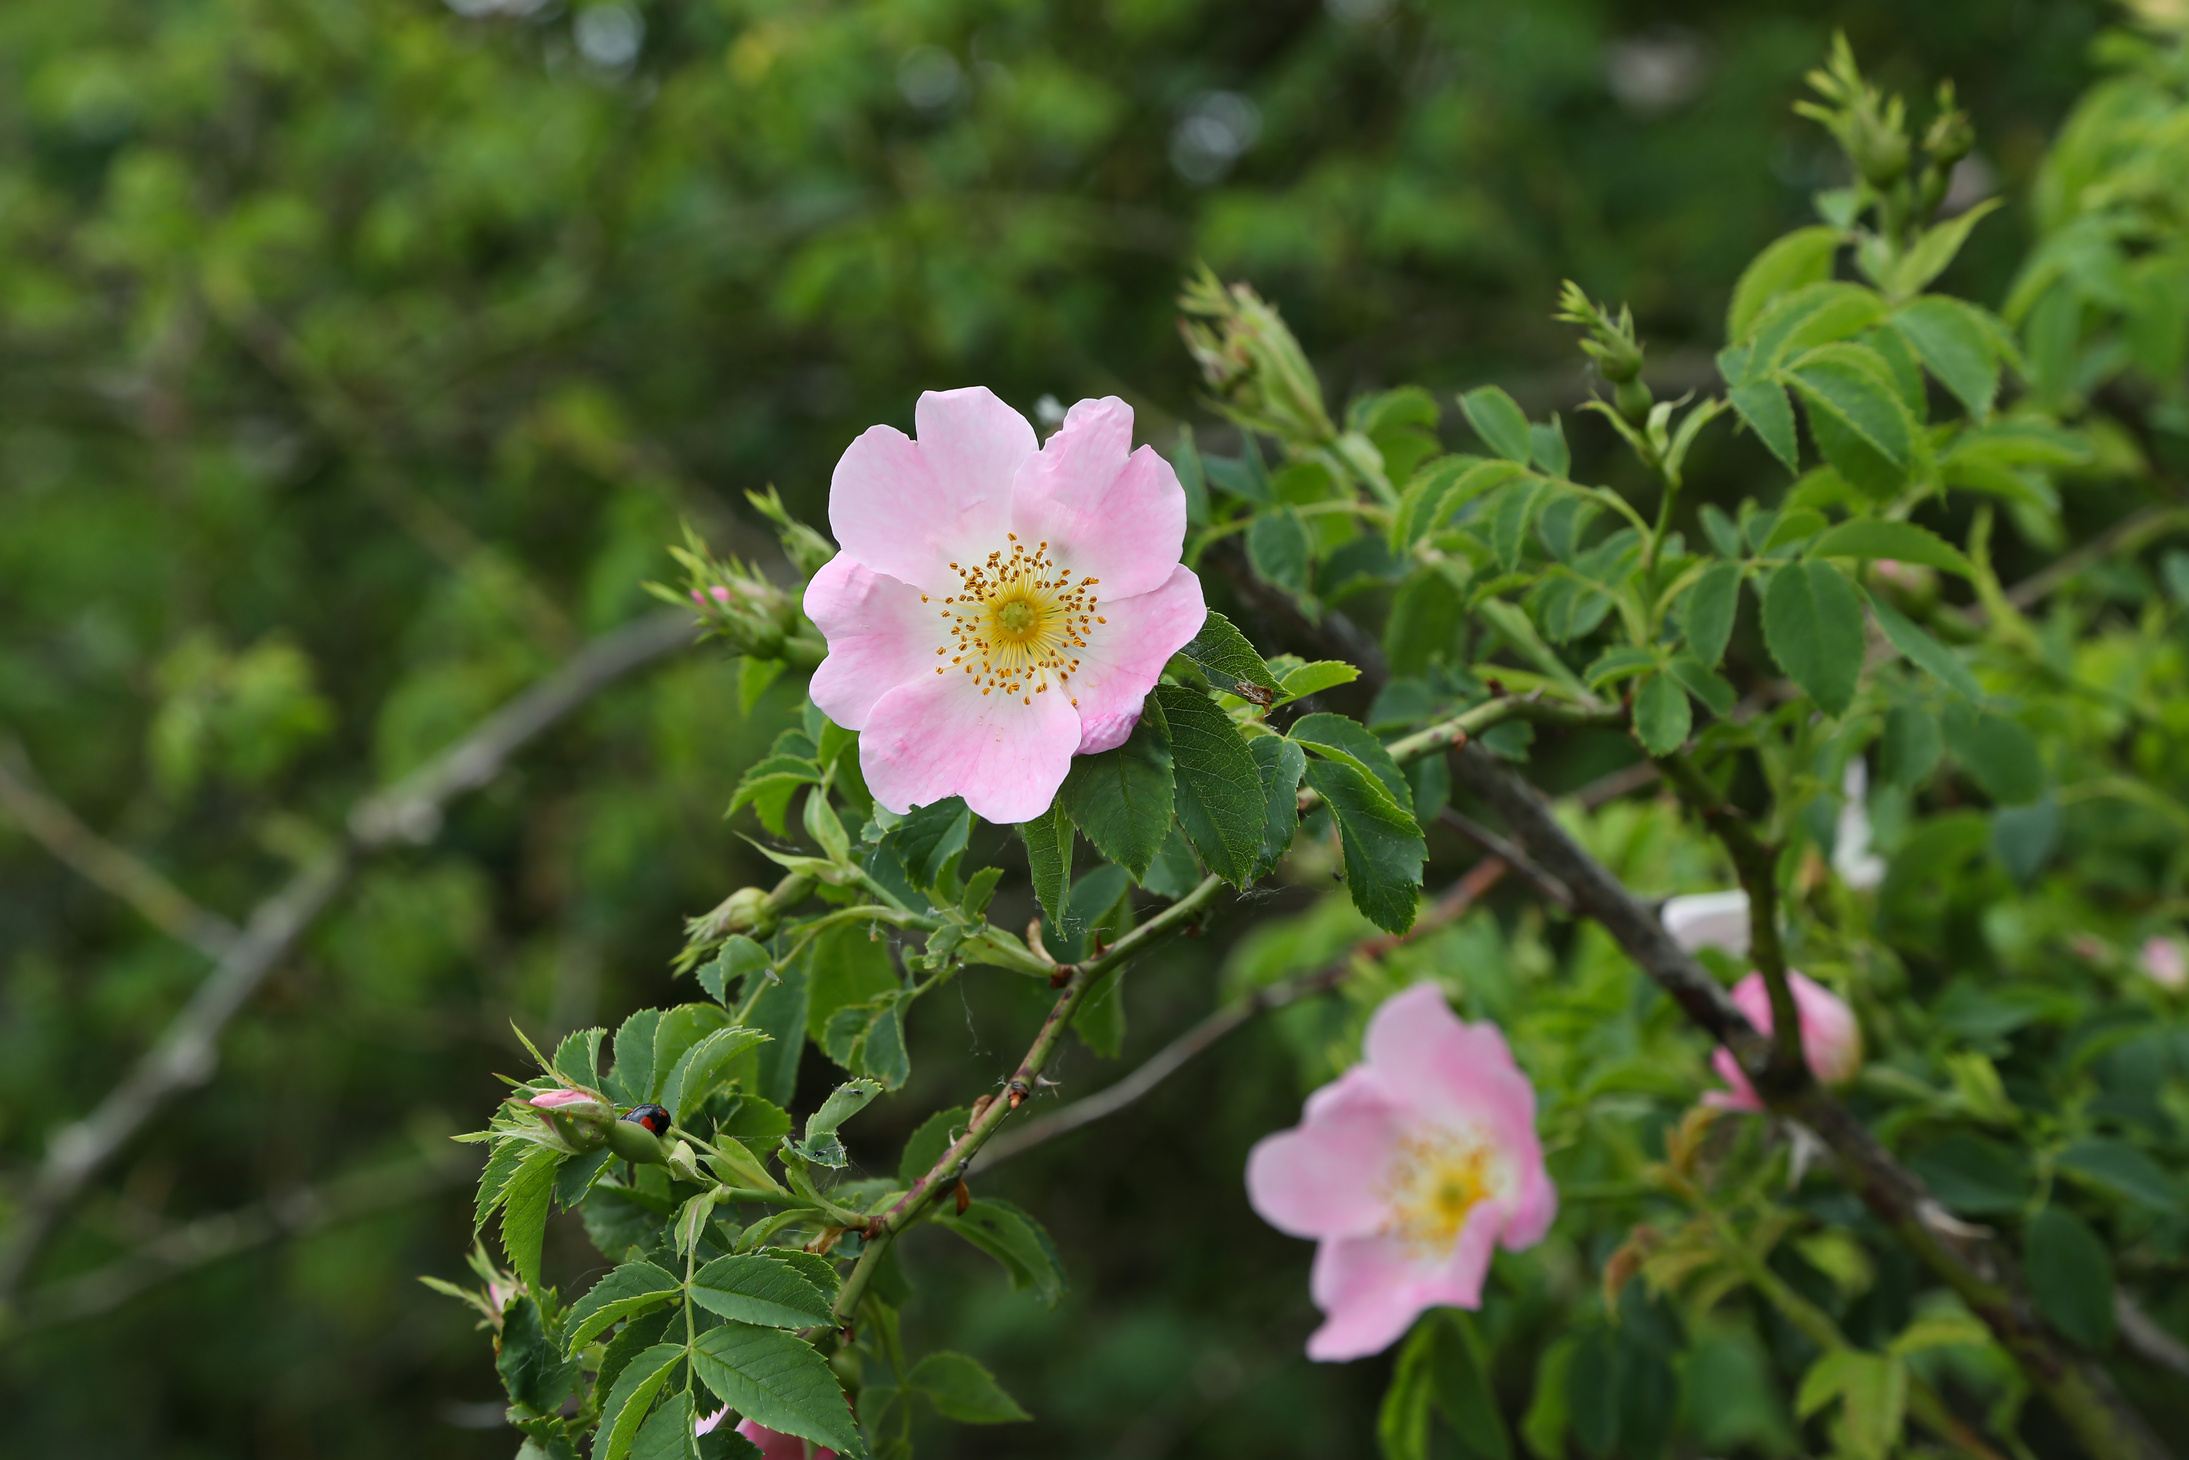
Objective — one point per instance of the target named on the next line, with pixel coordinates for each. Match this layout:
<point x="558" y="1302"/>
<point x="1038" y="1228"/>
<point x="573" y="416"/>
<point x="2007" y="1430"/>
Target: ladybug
<point x="655" y="1118"/>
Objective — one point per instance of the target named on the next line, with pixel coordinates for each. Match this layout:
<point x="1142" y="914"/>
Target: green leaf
<point x="1499" y="421"/>
<point x="757" y="1289"/>
<point x="1619" y="662"/>
<point x="1100" y="1017"/>
<point x="632" y="1079"/>
<point x="1281" y="550"/>
<point x="1798" y="258"/>
<point x="1384" y="850"/>
<point x="844" y="966"/>
<point x="1479" y="479"/>
<point x="1349" y="740"/>
<point x="1662" y="716"/>
<point x="1955" y="343"/>
<point x="1547" y="444"/>
<point x="1402" y="1421"/>
<point x="1999" y="752"/>
<point x="845" y="1101"/>
<point x="1857" y="416"/>
<point x="533" y="1369"/>
<point x="1792" y="525"/>
<point x="667" y="1433"/>
<point x="1908" y="751"/>
<point x="1281" y="764"/>
<point x="1314" y="678"/>
<point x="1934" y="250"/>
<point x="1812" y="622"/>
<point x="739" y="958"/>
<point x="1706" y="615"/>
<point x="777" y="1381"/>
<point x="1048" y="841"/>
<point x="1122" y="798"/>
<point x="494" y="1180"/>
<point x="1973" y="1175"/>
<point x="780" y="1011"/>
<point x="707" y="1067"/>
<point x="768" y="786"/>
<point x="1218" y="790"/>
<point x="930" y="838"/>
<point x="676" y="1034"/>
<point x="1815" y="314"/>
<point x="578" y="1056"/>
<point x="1764" y="407"/>
<point x="929" y="1142"/>
<point x="2070" y="1277"/>
<point x="1512" y="516"/>
<point x="633" y="1339"/>
<point x="1873" y="537"/>
<point x="524" y="1211"/>
<point x="961" y="1389"/>
<point x="1705" y="684"/>
<point x="1592" y="1378"/>
<point x="1016" y="1241"/>
<point x="1226" y="657"/>
<point x="1460" y="1387"/>
<point x="1925" y="652"/>
<point x="625" y="1408"/>
<point x="1873" y="1390"/>
<point x="2121" y="1168"/>
<point x="632" y="1289"/>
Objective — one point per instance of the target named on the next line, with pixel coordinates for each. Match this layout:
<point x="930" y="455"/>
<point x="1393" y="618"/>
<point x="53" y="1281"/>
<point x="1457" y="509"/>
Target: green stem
<point x="992" y="1111"/>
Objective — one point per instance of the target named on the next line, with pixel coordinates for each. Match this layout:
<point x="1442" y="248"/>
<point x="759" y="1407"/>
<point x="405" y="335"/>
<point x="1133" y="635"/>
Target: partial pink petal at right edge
<point x="880" y="635"/>
<point x="1324" y="1177"/>
<point x="939" y="736"/>
<point x="910" y="508"/>
<point x="1106" y="511"/>
<point x="1125" y="656"/>
<point x="1370" y="1290"/>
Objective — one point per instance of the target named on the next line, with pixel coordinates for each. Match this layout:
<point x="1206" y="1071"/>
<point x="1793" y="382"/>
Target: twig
<point x="1982" y="1273"/>
<point x="128" y="877"/>
<point x="1547" y="887"/>
<point x="2149" y="1342"/>
<point x="1173" y="1057"/>
<point x="186" y="1052"/>
<point x="293" y="1213"/>
<point x="993" y="1110"/>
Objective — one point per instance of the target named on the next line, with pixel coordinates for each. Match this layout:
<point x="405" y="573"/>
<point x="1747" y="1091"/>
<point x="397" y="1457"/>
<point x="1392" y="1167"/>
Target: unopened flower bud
<point x="1879" y="149"/>
<point x="577" y="1117"/>
<point x="636" y="1137"/>
<point x="1831" y="1040"/>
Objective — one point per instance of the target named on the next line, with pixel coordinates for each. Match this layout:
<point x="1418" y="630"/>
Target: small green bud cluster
<point x="1254" y="367"/>
<point x="1611" y="344"/>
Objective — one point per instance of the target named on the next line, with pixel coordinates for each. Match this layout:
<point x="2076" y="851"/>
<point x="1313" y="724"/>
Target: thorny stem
<point x="1756" y="864"/>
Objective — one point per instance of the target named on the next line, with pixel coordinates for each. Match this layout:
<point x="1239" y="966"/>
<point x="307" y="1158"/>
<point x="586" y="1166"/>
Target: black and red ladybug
<point x="656" y="1118"/>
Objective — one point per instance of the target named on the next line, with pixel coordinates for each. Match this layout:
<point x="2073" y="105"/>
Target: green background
<point x="358" y="359"/>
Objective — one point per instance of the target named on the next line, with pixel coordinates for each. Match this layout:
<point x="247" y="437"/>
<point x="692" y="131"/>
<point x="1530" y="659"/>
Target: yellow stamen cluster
<point x="1015" y="621"/>
<point x="1434" y="1183"/>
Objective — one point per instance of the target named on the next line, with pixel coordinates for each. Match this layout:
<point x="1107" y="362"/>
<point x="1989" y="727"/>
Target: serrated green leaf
<point x="1016" y="1241"/>
<point x="1856" y="416"/>
<point x="1705" y="684"/>
<point x="759" y="1289"/>
<point x="778" y="1381"/>
<point x="494" y="1180"/>
<point x="2070" y="1277"/>
<point x="625" y="1408"/>
<point x="1282" y="551"/>
<point x="1225" y="655"/>
<point x="1662" y="717"/>
<point x="1349" y="740"/>
<point x="1935" y="249"/>
<point x="1122" y="799"/>
<point x="929" y="838"/>
<point x="845" y="1101"/>
<point x="735" y="963"/>
<point x="1788" y="263"/>
<point x="1791" y="525"/>
<point x="961" y="1389"/>
<point x="1763" y="406"/>
<point x="533" y="1369"/>
<point x="1280" y="764"/>
<point x="768" y="786"/>
<point x="1218" y="790"/>
<point x="632" y="1289"/>
<point x="524" y="1211"/>
<point x="631" y="1081"/>
<point x="929" y="1142"/>
<point x="2121" y="1168"/>
<point x="1384" y="850"/>
<point x="667" y="1433"/>
<point x="1548" y="449"/>
<point x="1048" y="841"/>
<point x="1707" y="612"/>
<point x="1873" y="537"/>
<point x="1816" y="314"/>
<point x="1812" y="622"/>
<point x="1314" y="678"/>
<point x="678" y="1030"/>
<point x="1619" y="662"/>
<point x="578" y="1056"/>
<point x="1499" y="421"/>
<point x="1512" y="516"/>
<point x="706" y="1067"/>
<point x="1955" y="344"/>
<point x="1925" y="652"/>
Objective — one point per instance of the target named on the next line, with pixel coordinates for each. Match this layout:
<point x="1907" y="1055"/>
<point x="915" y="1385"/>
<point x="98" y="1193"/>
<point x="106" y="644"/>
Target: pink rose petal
<point x="909" y="508"/>
<point x="879" y="634"/>
<point x="938" y="736"/>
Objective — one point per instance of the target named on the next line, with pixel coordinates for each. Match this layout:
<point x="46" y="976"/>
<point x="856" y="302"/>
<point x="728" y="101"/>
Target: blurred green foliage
<point x="356" y="363"/>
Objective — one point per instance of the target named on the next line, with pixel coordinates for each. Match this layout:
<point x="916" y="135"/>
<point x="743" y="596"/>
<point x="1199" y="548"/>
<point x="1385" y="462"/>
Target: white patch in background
<point x="1212" y="133"/>
<point x="608" y="36"/>
<point x="1852" y="859"/>
<point x="1656" y="73"/>
<point x="1709" y="920"/>
<point x="930" y="77"/>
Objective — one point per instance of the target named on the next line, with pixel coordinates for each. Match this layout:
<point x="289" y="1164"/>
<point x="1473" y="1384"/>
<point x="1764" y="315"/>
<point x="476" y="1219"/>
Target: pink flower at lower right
<point x="1407" y="1170"/>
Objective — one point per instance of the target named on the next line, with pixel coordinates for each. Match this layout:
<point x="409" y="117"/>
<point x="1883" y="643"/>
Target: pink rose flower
<point x="561" y="1099"/>
<point x="1831" y="1040"/>
<point x="773" y="1445"/>
<point x="999" y="605"/>
<point x="2162" y="962"/>
<point x="1407" y="1169"/>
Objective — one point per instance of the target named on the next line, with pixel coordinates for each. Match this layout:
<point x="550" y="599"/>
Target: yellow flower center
<point x="1436" y="1180"/>
<point x="1015" y="621"/>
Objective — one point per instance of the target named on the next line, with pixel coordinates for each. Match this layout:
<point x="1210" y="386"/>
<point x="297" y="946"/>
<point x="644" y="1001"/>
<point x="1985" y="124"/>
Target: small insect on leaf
<point x="964" y="1197"/>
